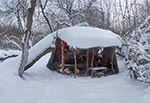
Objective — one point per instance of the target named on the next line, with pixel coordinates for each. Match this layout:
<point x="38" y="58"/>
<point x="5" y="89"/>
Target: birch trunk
<point x="26" y="39"/>
<point x="24" y="55"/>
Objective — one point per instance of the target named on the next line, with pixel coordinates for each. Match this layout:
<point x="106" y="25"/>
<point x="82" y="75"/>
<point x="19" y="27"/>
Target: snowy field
<point x="44" y="86"/>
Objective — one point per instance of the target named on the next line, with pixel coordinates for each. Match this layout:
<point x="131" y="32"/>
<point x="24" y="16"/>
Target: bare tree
<point x="74" y="11"/>
<point x="108" y="13"/>
<point x="42" y="6"/>
<point x="26" y="39"/>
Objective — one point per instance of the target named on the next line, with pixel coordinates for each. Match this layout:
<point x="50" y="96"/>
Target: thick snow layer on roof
<point x="88" y="37"/>
<point x="77" y="37"/>
<point x="41" y="46"/>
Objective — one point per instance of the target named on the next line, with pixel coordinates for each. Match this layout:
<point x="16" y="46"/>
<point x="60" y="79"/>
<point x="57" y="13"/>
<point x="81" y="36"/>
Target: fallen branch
<point x="10" y="56"/>
<point x="121" y="55"/>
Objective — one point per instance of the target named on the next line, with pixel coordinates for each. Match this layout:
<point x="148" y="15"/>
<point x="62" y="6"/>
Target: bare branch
<point x="45" y="16"/>
<point x="13" y="42"/>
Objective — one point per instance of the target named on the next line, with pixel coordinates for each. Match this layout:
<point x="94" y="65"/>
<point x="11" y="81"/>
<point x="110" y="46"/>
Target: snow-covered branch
<point x="10" y="40"/>
<point x="137" y="60"/>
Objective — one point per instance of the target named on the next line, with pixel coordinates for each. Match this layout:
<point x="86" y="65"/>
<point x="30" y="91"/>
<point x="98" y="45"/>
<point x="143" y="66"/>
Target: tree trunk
<point x="26" y="39"/>
<point x="24" y="55"/>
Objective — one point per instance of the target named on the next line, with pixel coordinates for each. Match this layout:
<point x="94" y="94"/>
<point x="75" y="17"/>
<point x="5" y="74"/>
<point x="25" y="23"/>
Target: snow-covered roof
<point x="88" y="37"/>
<point x="78" y="37"/>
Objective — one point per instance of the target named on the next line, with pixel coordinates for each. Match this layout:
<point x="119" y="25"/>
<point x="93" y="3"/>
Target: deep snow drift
<point x="44" y="86"/>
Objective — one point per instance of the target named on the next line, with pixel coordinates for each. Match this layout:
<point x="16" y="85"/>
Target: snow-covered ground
<point x="44" y="86"/>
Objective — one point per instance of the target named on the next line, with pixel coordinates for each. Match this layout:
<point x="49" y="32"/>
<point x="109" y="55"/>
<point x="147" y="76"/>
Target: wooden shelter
<point x="84" y="51"/>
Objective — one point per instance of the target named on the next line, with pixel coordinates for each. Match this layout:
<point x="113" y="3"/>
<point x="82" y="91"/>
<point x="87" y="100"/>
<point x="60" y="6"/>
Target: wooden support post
<point x="92" y="61"/>
<point x="62" y="57"/>
<point x="112" y="60"/>
<point x="87" y="61"/>
<point x="75" y="63"/>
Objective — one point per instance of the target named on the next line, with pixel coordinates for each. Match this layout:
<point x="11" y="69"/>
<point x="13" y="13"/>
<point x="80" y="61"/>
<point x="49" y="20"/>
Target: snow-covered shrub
<point x="138" y="52"/>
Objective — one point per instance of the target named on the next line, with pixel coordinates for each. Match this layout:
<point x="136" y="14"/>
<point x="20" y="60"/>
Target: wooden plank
<point x="72" y="65"/>
<point x="99" y="68"/>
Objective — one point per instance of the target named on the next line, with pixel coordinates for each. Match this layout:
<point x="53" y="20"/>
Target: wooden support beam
<point x="75" y="63"/>
<point x="87" y="61"/>
<point x="92" y="61"/>
<point x="62" y="58"/>
<point x="112" y="60"/>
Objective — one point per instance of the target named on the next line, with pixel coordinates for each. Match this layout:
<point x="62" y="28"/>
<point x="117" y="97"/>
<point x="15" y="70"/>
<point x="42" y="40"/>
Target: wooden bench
<point x="71" y="66"/>
<point x="96" y="69"/>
